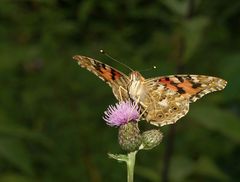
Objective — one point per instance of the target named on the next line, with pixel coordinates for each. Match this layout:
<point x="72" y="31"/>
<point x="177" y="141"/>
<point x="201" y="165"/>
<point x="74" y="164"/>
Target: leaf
<point x="148" y="173"/>
<point x="178" y="7"/>
<point x="217" y="119"/>
<point x="11" y="177"/>
<point x="14" y="130"/>
<point x="16" y="153"/>
<point x="181" y="168"/>
<point x="205" y="166"/>
<point x="85" y="9"/>
<point x="230" y="67"/>
<point x="193" y="33"/>
<point x="118" y="157"/>
<point x="11" y="129"/>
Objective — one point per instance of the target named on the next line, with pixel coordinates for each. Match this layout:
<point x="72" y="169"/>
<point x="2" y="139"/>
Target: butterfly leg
<point x="120" y="91"/>
<point x="143" y="112"/>
<point x="136" y="105"/>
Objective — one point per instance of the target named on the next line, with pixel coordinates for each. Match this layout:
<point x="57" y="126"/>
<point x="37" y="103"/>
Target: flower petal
<point x="121" y="113"/>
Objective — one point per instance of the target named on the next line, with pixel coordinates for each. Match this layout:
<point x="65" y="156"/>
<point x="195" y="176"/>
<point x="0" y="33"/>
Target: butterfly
<point x="164" y="99"/>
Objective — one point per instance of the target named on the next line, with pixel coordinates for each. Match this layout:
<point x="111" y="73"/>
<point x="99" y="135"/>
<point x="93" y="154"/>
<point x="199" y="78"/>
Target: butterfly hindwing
<point x="114" y="78"/>
<point x="163" y="105"/>
<point x="171" y="95"/>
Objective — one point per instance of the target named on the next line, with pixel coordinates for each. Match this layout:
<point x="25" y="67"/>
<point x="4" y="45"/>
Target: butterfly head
<point x="136" y="76"/>
<point x="136" y="86"/>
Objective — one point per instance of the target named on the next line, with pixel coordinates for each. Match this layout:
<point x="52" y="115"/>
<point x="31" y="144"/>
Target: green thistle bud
<point x="129" y="136"/>
<point x="151" y="139"/>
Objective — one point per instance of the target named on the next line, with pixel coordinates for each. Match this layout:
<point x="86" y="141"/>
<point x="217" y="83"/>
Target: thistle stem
<point x="130" y="165"/>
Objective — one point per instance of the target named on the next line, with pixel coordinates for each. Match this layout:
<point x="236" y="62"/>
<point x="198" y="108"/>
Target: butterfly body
<point x="136" y="87"/>
<point x="164" y="99"/>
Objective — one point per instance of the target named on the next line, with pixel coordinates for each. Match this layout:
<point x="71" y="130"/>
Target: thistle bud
<point x="129" y="136"/>
<point x="151" y="139"/>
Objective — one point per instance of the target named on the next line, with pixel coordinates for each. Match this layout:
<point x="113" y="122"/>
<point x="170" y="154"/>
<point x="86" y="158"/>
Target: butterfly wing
<point x="192" y="87"/>
<point x="114" y="78"/>
<point x="163" y="105"/>
<point x="169" y="96"/>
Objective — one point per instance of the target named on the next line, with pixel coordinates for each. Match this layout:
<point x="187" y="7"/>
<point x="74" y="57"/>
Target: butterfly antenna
<point x="106" y="54"/>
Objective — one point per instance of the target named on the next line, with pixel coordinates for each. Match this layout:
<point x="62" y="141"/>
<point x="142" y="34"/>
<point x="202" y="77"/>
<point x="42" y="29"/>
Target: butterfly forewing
<point x="114" y="78"/>
<point x="192" y="87"/>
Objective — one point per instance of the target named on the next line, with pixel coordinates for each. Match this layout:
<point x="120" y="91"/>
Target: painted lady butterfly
<point x="163" y="99"/>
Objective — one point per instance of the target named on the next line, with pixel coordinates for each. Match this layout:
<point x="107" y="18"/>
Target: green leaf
<point x="118" y="157"/>
<point x="15" y="130"/>
<point x="178" y="7"/>
<point x="205" y="166"/>
<point x="11" y="177"/>
<point x="181" y="168"/>
<point x="148" y="173"/>
<point x="217" y="119"/>
<point x="230" y="66"/>
<point x="10" y="129"/>
<point x="193" y="33"/>
<point x="85" y="9"/>
<point x="16" y="153"/>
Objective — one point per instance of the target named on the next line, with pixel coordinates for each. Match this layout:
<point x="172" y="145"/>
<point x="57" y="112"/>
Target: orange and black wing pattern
<point x="192" y="87"/>
<point x="110" y="75"/>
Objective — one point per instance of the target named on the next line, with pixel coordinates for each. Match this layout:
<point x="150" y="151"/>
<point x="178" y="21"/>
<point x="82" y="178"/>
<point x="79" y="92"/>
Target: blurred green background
<point x="51" y="126"/>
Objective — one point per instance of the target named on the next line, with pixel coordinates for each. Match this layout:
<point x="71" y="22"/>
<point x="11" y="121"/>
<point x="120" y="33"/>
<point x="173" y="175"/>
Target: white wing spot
<point x="163" y="103"/>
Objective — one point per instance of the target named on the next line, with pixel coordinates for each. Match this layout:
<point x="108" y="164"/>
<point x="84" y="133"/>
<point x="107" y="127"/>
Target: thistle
<point x="125" y="115"/>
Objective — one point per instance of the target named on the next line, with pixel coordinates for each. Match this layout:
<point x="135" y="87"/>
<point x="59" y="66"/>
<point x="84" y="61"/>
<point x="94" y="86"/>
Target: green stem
<point x="130" y="161"/>
<point x="130" y="166"/>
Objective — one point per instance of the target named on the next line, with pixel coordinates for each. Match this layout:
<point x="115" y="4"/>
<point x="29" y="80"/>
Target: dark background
<point x="51" y="126"/>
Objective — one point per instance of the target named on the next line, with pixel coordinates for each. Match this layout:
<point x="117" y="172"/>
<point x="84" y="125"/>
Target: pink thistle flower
<point x="121" y="113"/>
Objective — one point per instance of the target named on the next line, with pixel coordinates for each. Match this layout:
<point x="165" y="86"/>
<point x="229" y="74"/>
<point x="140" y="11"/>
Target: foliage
<point x="50" y="110"/>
